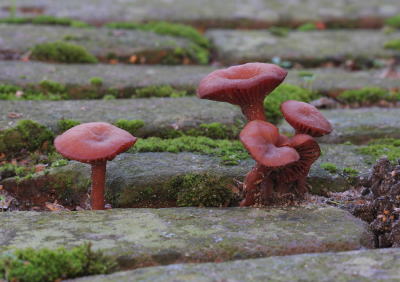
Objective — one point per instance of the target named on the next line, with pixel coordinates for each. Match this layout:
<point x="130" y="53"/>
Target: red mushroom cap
<point x="242" y="84"/>
<point x="93" y="142"/>
<point x="309" y="152"/>
<point x="305" y="118"/>
<point x="260" y="139"/>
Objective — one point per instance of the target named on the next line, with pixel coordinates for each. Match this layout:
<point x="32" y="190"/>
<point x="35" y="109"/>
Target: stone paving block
<point x="18" y="39"/>
<point x="364" y="265"/>
<point x="310" y="49"/>
<point x="148" y="237"/>
<point x="127" y="78"/>
<point x="225" y="13"/>
<point x="143" y="179"/>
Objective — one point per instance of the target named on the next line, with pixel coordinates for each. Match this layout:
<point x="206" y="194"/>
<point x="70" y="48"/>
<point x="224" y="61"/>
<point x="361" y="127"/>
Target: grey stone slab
<point x="158" y="114"/>
<point x="130" y="175"/>
<point x="19" y="39"/>
<point x="126" y="78"/>
<point x="147" y="237"/>
<point x="311" y="48"/>
<point x="358" y="126"/>
<point x="365" y="265"/>
<point x="209" y="12"/>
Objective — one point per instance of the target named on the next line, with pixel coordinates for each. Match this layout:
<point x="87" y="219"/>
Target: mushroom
<point x="245" y="85"/>
<point x="94" y="143"/>
<point x="309" y="152"/>
<point x="260" y="139"/>
<point x="305" y="118"/>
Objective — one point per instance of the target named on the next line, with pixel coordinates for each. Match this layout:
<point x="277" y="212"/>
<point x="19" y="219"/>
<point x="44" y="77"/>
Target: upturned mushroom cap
<point x="241" y="85"/>
<point x="305" y="118"/>
<point x="260" y="139"/>
<point x="309" y="152"/>
<point x="93" y="142"/>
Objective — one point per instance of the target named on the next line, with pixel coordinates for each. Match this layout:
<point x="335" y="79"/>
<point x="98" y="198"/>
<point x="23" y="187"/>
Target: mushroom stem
<point x="254" y="112"/>
<point x="253" y="178"/>
<point x="266" y="188"/>
<point x="98" y="181"/>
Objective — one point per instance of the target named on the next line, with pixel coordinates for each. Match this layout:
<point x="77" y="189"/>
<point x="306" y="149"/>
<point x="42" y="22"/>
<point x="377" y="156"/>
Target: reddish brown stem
<point x="254" y="112"/>
<point x="98" y="181"/>
<point x="281" y="187"/>
<point x="301" y="185"/>
<point x="266" y="188"/>
<point x="253" y="178"/>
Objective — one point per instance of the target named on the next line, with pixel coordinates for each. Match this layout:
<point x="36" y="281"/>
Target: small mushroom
<point x="305" y="118"/>
<point x="260" y="139"/>
<point x="245" y="86"/>
<point x="94" y="143"/>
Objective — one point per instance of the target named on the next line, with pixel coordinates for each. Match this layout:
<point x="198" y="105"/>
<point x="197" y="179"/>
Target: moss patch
<point x="54" y="265"/>
<point x="379" y="147"/>
<point x="369" y="94"/>
<point x="158" y="91"/>
<point x="329" y="167"/>
<point x="392" y="44"/>
<point x="66" y="124"/>
<point x="62" y="52"/>
<point x="393" y="21"/>
<point x="45" y="20"/>
<point x="307" y="27"/>
<point x="27" y="134"/>
<point x="129" y="125"/>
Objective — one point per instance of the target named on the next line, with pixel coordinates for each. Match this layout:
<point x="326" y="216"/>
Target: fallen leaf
<point x="133" y="59"/>
<point x="320" y="25"/>
<point x="40" y="167"/>
<point x="6" y="203"/>
<point x="114" y="61"/>
<point x="14" y="115"/>
<point x="14" y="161"/>
<point x="55" y="207"/>
<point x="18" y="94"/>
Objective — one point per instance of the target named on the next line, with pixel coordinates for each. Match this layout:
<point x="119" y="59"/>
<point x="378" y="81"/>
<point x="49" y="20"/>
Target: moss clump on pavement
<point x="329" y="167"/>
<point x="307" y="27"/>
<point x="203" y="190"/>
<point x="158" y="91"/>
<point x="44" y="265"/>
<point x="66" y="124"/>
<point x="392" y="44"/>
<point x="129" y="125"/>
<point x="377" y="148"/>
<point x="393" y="21"/>
<point x="62" y="52"/>
<point x="370" y="94"/>
<point x="27" y="134"/>
<point x="45" y="20"/>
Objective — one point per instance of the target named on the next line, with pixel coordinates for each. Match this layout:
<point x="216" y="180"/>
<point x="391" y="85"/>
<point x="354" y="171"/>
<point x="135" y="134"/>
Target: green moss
<point x="129" y="125"/>
<point x="52" y="86"/>
<point x="393" y="21"/>
<point x="217" y="130"/>
<point x="45" y="20"/>
<point x="279" y="31"/>
<point x="66" y="124"/>
<point x="27" y="134"/>
<point x="96" y="81"/>
<point x="13" y="20"/>
<point x="352" y="172"/>
<point x="160" y="27"/>
<point x="7" y="92"/>
<point x="62" y="52"/>
<point x="109" y="97"/>
<point x="157" y="91"/>
<point x="51" y="20"/>
<point x="392" y="44"/>
<point x="307" y="27"/>
<point x="230" y="152"/>
<point x="12" y="170"/>
<point x="329" y="167"/>
<point x="53" y="265"/>
<point x="203" y="190"/>
<point x="59" y="163"/>
<point x="379" y="147"/>
<point x="370" y="94"/>
<point x="272" y="104"/>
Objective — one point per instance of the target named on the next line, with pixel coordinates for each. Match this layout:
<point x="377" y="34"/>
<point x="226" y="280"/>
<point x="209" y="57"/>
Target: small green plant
<point x="58" y="163"/>
<point x="12" y="170"/>
<point x="393" y="21"/>
<point x="379" y="147"/>
<point x="392" y="44"/>
<point x="66" y="124"/>
<point x="352" y="172"/>
<point x="44" y="265"/>
<point x="96" y="81"/>
<point x="370" y="94"/>
<point x="129" y="125"/>
<point x="2" y="202"/>
<point x="329" y="167"/>
<point x="51" y="20"/>
<point x="109" y="97"/>
<point x="203" y="190"/>
<point x="52" y="86"/>
<point x="158" y="91"/>
<point x="307" y="27"/>
<point x="62" y="52"/>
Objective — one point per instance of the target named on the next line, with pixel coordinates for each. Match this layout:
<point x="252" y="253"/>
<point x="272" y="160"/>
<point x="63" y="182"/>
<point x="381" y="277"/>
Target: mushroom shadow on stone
<point x="94" y="143"/>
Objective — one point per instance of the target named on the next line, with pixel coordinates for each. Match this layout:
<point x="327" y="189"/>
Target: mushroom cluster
<point x="94" y="143"/>
<point x="280" y="160"/>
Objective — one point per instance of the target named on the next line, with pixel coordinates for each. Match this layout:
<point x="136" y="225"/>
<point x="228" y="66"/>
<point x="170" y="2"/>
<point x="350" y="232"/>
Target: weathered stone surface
<point x="157" y="114"/>
<point x="128" y="78"/>
<point x="312" y="48"/>
<point x="147" y="237"/>
<point x="358" y="126"/>
<point x="215" y="13"/>
<point x="18" y="39"/>
<point x="365" y="265"/>
<point x="143" y="179"/>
